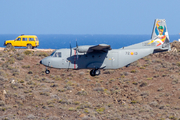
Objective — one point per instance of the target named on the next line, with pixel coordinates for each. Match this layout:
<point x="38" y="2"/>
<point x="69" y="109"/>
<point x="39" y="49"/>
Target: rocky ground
<point x="149" y="89"/>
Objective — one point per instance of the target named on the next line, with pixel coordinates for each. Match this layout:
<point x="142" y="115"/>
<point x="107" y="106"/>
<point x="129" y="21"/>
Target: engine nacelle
<point x="83" y="49"/>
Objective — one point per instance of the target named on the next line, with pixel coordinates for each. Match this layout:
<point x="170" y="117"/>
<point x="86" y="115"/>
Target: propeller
<point x="76" y="49"/>
<point x="70" y="49"/>
<point x="70" y="56"/>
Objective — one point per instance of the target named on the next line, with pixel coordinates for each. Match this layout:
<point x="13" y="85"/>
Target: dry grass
<point x="147" y="89"/>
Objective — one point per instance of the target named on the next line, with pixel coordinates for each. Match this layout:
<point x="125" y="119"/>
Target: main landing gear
<point x="95" y="72"/>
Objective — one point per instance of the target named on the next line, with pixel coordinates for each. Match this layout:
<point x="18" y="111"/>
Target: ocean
<point x="57" y="41"/>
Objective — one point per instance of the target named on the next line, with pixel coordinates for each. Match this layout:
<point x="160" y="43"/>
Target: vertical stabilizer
<point x="160" y="34"/>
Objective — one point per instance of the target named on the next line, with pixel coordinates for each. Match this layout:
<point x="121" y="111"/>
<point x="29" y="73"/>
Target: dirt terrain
<point x="149" y="89"/>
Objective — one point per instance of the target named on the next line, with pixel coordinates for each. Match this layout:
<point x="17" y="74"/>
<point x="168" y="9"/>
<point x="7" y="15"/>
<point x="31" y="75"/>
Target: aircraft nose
<point x="40" y="62"/>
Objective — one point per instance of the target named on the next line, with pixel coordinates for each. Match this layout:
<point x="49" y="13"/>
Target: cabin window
<point x="24" y="39"/>
<point x="31" y="39"/>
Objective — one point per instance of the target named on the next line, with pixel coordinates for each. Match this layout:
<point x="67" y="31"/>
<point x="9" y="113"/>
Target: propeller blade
<point x="70" y="50"/>
<point x="76" y="43"/>
<point x="76" y="49"/>
<point x="70" y="55"/>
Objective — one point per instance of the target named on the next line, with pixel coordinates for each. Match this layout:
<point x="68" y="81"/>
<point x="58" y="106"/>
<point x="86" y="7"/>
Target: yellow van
<point x="29" y="41"/>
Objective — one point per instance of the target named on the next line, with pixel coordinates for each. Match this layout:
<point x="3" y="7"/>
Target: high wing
<point x="90" y="48"/>
<point x="101" y="47"/>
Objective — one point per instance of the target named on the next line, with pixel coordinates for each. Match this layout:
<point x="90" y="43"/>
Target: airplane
<point x="96" y="57"/>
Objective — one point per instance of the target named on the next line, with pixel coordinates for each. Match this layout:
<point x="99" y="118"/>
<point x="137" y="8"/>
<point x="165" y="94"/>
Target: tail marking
<point x="160" y="33"/>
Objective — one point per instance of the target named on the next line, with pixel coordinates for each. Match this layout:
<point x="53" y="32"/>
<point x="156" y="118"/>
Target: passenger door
<point x="32" y="41"/>
<point x="24" y="41"/>
<point x="17" y="42"/>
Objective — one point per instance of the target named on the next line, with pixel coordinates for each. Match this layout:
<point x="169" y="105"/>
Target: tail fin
<point x="160" y="35"/>
<point x="159" y="40"/>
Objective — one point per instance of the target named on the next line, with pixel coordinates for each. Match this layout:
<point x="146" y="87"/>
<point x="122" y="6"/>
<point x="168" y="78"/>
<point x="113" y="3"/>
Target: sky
<point x="87" y="16"/>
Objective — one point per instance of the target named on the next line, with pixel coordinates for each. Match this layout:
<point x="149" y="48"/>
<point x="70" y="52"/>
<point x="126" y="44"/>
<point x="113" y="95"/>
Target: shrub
<point x="135" y="83"/>
<point x="133" y="102"/>
<point x="27" y="52"/>
<point x="26" y="66"/>
<point x="30" y="72"/>
<point x="19" y="58"/>
<point x="43" y="54"/>
<point x="142" y="67"/>
<point x="86" y="110"/>
<point x="81" y="93"/>
<point x="100" y="110"/>
<point x="21" y="81"/>
<point x="133" y="71"/>
<point x="76" y="102"/>
<point x="149" y="78"/>
<point x="72" y="109"/>
<point x="178" y="64"/>
<point x="11" y="61"/>
<point x="143" y="84"/>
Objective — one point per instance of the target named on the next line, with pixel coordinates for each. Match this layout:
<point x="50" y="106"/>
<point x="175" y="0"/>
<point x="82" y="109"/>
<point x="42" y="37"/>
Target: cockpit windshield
<point x="56" y="54"/>
<point x="52" y="53"/>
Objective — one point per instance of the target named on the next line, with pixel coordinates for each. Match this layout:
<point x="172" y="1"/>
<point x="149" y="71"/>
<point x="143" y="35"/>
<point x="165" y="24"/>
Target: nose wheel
<point x="47" y="71"/>
<point x="95" y="72"/>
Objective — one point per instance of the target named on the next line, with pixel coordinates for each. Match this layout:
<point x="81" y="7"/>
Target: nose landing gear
<point x="47" y="71"/>
<point x="95" y="72"/>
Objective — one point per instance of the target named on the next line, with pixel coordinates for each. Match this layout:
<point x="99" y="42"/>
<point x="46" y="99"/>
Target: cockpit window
<point x="52" y="53"/>
<point x="56" y="54"/>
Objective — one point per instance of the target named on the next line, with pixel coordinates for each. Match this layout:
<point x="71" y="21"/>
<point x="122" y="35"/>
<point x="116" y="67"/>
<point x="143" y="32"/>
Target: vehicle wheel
<point x="29" y="46"/>
<point x="9" y="45"/>
<point x="47" y="71"/>
<point x="97" y="72"/>
<point x="92" y="72"/>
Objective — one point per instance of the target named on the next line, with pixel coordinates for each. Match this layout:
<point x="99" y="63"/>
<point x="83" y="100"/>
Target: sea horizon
<point x="58" y="41"/>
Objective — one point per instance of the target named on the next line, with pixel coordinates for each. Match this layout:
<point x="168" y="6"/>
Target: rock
<point x="3" y="79"/>
<point x="19" y="112"/>
<point x="161" y="107"/>
<point x="138" y="98"/>
<point x="31" y="116"/>
<point x="82" y="115"/>
<point x="2" y="103"/>
<point x="4" y="92"/>
<point x="98" y="89"/>
<point x="154" y="104"/>
<point x="2" y="95"/>
<point x="13" y="81"/>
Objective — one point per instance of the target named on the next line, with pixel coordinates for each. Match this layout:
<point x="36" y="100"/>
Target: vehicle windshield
<point x="18" y="39"/>
<point x="56" y="54"/>
<point x="37" y="39"/>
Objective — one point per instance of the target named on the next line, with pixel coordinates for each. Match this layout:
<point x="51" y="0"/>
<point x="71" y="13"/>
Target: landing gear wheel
<point x="97" y="72"/>
<point x="29" y="46"/>
<point x="92" y="72"/>
<point x="47" y="71"/>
